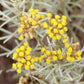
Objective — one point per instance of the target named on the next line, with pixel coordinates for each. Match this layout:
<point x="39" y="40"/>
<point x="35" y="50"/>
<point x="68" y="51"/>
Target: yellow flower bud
<point x="20" y="30"/>
<point x="38" y="16"/>
<point x="65" y="36"/>
<point x="60" y="57"/>
<point x="19" y="65"/>
<point x="28" y="63"/>
<point x="31" y="10"/>
<point x="43" y="49"/>
<point x="55" y="30"/>
<point x="69" y="49"/>
<point x="47" y="52"/>
<point x="23" y="60"/>
<point x="21" y="37"/>
<point x="19" y="71"/>
<point x="25" y="44"/>
<point x="22" y="26"/>
<point x="18" y="50"/>
<point x="59" y="52"/>
<point x="58" y="37"/>
<point x="51" y="35"/>
<point x="22" y="19"/>
<point x="15" y="55"/>
<point x="21" y="54"/>
<point x="29" y="49"/>
<point x="65" y="29"/>
<point x="55" y="58"/>
<point x="36" y="59"/>
<point x="28" y="57"/>
<point x="79" y="58"/>
<point x="67" y="45"/>
<point x="48" y="14"/>
<point x="64" y="40"/>
<point x="72" y="59"/>
<point x="48" y="60"/>
<point x="32" y="60"/>
<point x="26" y="67"/>
<point x="32" y="66"/>
<point x="48" y="31"/>
<point x="34" y="23"/>
<point x="61" y="31"/>
<point x="45" y="25"/>
<point x="14" y="65"/>
<point x="54" y="37"/>
<point x="79" y="52"/>
<point x="57" y="16"/>
<point x="42" y="16"/>
<point x="54" y="52"/>
<point x="22" y="48"/>
<point x="36" y="10"/>
<point x="60" y="26"/>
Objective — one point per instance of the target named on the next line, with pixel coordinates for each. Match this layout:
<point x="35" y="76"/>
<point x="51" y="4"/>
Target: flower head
<point x="56" y="27"/>
<point x="28" y="23"/>
<point x="23" y="58"/>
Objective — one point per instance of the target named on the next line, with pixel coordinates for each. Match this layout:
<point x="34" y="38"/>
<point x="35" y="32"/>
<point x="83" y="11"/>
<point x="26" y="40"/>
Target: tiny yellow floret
<point x="25" y="44"/>
<point x="45" y="25"/>
<point x="21" y="37"/>
<point x="55" y="58"/>
<point x="59" y="52"/>
<point x="48" y="14"/>
<point x="55" y="30"/>
<point x="79" y="58"/>
<point x="47" y="52"/>
<point x="19" y="71"/>
<point x="26" y="67"/>
<point x="22" y="48"/>
<point x="57" y="16"/>
<point x="21" y="18"/>
<point x="43" y="49"/>
<point x="19" y="65"/>
<point x="28" y="63"/>
<point x="79" y="52"/>
<point x="17" y="50"/>
<point x="21" y="54"/>
<point x="32" y="66"/>
<point x="20" y="30"/>
<point x="14" y="65"/>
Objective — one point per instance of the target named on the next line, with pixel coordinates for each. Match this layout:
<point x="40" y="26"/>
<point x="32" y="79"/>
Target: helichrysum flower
<point x="72" y="54"/>
<point x="23" y="58"/>
<point x="28" y="23"/>
<point x="50" y="55"/>
<point x="56" y="27"/>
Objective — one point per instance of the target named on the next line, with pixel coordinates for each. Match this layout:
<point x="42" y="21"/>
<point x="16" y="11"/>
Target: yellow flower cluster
<point x="23" y="58"/>
<point x="50" y="55"/>
<point x="29" y="23"/>
<point x="56" y="27"/>
<point x="72" y="54"/>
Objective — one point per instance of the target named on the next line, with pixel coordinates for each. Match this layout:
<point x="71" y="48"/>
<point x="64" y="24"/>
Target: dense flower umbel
<point x="28" y="23"/>
<point x="56" y="27"/>
<point x="50" y="55"/>
<point x="23" y="58"/>
<point x="72" y="54"/>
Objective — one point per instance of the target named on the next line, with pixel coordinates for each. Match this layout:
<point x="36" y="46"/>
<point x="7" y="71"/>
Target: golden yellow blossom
<point x="23" y="58"/>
